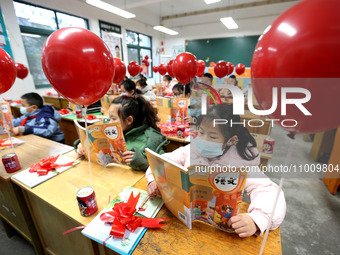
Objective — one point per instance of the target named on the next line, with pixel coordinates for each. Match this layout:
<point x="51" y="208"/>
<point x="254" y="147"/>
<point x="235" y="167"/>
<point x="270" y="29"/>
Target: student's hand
<point x="128" y="156"/>
<point x="243" y="224"/>
<point x="80" y="150"/>
<point x="153" y="190"/>
<point x="15" y="131"/>
<point x="102" y="110"/>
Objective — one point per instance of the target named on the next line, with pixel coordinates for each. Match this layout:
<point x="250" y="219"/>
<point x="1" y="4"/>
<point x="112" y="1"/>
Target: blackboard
<point x="235" y="50"/>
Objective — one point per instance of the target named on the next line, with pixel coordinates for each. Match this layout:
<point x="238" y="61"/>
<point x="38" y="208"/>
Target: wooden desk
<point x="332" y="178"/>
<point x="54" y="208"/>
<point x="176" y="238"/>
<point x="13" y="210"/>
<point x="263" y="130"/>
<point x="58" y="102"/>
<point x="175" y="143"/>
<point x="322" y="144"/>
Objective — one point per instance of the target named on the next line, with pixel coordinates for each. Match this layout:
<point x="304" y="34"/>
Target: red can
<point x="87" y="201"/>
<point x="181" y="131"/>
<point x="268" y="145"/>
<point x="11" y="162"/>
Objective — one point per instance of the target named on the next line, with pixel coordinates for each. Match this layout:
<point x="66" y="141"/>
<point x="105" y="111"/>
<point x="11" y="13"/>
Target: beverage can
<point x="87" y="201"/>
<point x="268" y="145"/>
<point x="11" y="162"/>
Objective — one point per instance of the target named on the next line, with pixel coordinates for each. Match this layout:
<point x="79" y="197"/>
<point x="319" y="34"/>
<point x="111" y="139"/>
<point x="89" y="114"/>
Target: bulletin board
<point x="4" y="42"/>
<point x="234" y="50"/>
<point x="111" y="35"/>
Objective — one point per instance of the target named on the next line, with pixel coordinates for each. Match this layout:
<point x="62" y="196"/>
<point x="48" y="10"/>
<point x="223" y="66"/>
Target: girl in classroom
<point x="178" y="90"/>
<point x="146" y="90"/>
<point x="138" y="120"/>
<point x="128" y="88"/>
<point x="169" y="84"/>
<point x="231" y="145"/>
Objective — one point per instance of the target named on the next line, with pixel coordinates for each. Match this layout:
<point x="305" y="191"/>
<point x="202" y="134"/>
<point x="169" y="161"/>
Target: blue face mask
<point x="23" y="110"/>
<point x="124" y="94"/>
<point x="208" y="149"/>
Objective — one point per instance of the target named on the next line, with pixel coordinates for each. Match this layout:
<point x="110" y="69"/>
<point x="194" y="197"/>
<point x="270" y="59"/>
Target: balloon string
<point x="88" y="144"/>
<point x="287" y="161"/>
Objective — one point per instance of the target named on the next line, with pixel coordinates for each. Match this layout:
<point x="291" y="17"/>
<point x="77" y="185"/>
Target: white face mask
<point x="23" y="110"/>
<point x="208" y="149"/>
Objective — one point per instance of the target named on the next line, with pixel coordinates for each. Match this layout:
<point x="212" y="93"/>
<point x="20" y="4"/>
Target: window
<point x="139" y="46"/>
<point x="36" y="24"/>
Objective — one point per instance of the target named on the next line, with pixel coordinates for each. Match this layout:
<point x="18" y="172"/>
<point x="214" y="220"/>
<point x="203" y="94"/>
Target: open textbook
<point x="106" y="142"/>
<point x="197" y="195"/>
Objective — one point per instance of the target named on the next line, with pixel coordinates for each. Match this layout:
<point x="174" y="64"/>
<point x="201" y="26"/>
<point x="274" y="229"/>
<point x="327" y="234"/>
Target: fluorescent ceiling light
<point x="166" y="30"/>
<point x="211" y="1"/>
<point x="229" y="22"/>
<point x="111" y="8"/>
<point x="31" y="35"/>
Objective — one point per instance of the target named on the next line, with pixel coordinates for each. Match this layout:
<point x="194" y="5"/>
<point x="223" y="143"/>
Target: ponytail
<point x="245" y="144"/>
<point x="136" y="106"/>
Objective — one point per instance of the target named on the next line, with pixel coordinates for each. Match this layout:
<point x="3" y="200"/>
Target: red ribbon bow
<point x="121" y="217"/>
<point x="47" y="164"/>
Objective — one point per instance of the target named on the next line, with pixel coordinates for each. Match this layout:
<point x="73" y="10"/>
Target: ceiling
<point x="188" y="16"/>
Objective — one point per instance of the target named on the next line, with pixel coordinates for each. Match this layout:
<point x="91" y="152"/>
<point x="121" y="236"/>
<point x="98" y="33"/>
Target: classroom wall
<point x="82" y="9"/>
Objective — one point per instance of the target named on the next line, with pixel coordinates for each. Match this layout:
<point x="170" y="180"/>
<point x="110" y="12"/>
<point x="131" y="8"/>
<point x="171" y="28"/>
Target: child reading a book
<point x="178" y="90"/>
<point x="231" y="145"/>
<point x="128" y="88"/>
<point x="38" y="119"/>
<point x="138" y="120"/>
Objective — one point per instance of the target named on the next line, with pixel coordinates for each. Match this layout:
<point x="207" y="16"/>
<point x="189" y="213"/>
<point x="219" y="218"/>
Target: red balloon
<point x="7" y="71"/>
<point x="146" y="57"/>
<point x="78" y="64"/>
<point x="140" y="69"/>
<point x="169" y="68"/>
<point x="147" y="63"/>
<point x="155" y="69"/>
<point x="120" y="70"/>
<point x="301" y="51"/>
<point x="162" y="69"/>
<point x="240" y="69"/>
<point x="230" y="68"/>
<point x="22" y="71"/>
<point x="201" y="68"/>
<point x="133" y="68"/>
<point x="221" y="69"/>
<point x="185" y="67"/>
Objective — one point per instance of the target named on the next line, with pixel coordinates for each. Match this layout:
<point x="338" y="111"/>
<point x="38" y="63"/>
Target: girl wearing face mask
<point x="128" y="88"/>
<point x="146" y="91"/>
<point x="226" y="145"/>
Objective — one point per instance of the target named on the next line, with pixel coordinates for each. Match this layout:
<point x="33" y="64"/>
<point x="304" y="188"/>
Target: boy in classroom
<point x="37" y="119"/>
<point x="138" y="120"/>
<point x="207" y="78"/>
<point x="231" y="145"/>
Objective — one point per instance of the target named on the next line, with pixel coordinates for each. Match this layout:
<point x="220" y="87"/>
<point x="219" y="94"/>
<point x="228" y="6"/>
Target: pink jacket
<point x="260" y="188"/>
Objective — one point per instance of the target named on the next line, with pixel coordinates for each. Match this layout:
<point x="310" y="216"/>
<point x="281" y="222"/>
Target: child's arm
<point x="17" y="121"/>
<point x="139" y="161"/>
<point x="46" y="127"/>
<point x="262" y="192"/>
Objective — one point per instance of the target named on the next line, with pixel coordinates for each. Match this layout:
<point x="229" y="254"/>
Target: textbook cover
<point x="191" y="195"/>
<point x="6" y="143"/>
<point x="5" y="112"/>
<point x="99" y="231"/>
<point x="179" y="109"/>
<point x="106" y="142"/>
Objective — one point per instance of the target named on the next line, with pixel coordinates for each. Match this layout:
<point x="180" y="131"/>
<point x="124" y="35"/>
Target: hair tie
<point x="134" y="97"/>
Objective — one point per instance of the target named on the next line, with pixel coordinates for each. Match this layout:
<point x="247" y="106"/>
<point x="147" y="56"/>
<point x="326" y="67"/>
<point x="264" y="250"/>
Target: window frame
<point x="45" y="32"/>
<point x="138" y="47"/>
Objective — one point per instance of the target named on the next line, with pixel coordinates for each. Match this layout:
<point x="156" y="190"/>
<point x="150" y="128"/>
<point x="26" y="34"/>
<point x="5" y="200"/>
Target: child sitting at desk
<point x="146" y="90"/>
<point x="128" y="88"/>
<point x="138" y="119"/>
<point x="38" y="119"/>
<point x="178" y="90"/>
<point x="231" y="145"/>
